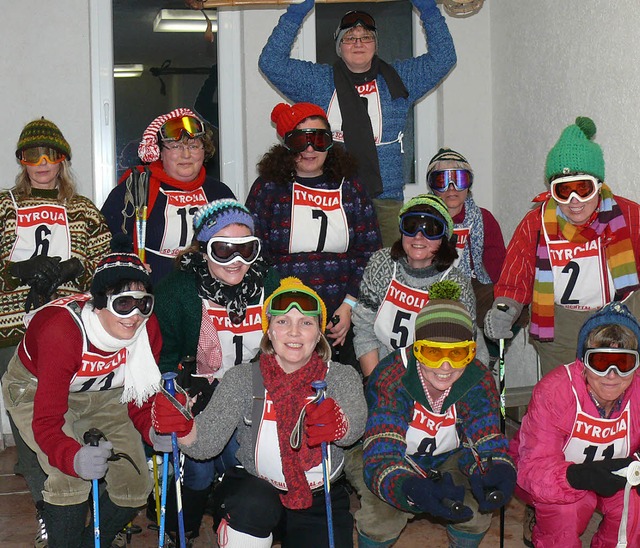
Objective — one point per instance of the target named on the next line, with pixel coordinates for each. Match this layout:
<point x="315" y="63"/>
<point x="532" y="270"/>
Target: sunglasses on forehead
<point x="128" y="303"/>
<point x="431" y="226"/>
<point x="33" y="156"/>
<point x="353" y="18"/>
<point x="461" y="179"/>
<point x="433" y="354"/>
<point x="174" y="129"/>
<point x="299" y="140"/>
<point x="602" y="360"/>
<point x="306" y="303"/>
<point x="580" y="187"/>
<point x="224" y="251"/>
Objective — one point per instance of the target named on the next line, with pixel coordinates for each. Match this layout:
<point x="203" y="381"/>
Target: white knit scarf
<point x="141" y="374"/>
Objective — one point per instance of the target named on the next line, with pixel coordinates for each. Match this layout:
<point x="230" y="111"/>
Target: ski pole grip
<point x="502" y="306"/>
<point x="319" y="387"/>
<point x="494" y="496"/>
<point x="453" y="505"/>
<point x="169" y="382"/>
<point x="92" y="437"/>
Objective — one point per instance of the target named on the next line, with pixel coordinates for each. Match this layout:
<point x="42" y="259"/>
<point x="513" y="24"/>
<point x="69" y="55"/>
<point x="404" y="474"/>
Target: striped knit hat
<point x="42" y="133"/>
<point x="435" y="203"/>
<point x="122" y="264"/>
<point x="214" y="216"/>
<point x="447" y="158"/>
<point x="148" y="150"/>
<point x="575" y="152"/>
<point x="444" y="319"/>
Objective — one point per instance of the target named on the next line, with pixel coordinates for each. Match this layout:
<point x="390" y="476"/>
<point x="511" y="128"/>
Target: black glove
<point x="433" y="497"/>
<point x="38" y="267"/>
<point x="69" y="270"/>
<point x="499" y="477"/>
<point x="596" y="476"/>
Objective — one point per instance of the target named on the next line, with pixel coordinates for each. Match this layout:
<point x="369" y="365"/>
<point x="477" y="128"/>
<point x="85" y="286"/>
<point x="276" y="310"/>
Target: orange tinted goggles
<point x="433" y="354"/>
<point x="34" y="156"/>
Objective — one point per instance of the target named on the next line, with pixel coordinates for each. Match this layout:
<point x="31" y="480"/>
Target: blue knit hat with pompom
<point x="214" y="216"/>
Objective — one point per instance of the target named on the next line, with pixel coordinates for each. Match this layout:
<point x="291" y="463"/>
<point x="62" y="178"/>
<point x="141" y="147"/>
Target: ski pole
<point x="163" y="498"/>
<point x="156" y="487"/>
<point x="502" y="390"/>
<point x="170" y="387"/>
<point x="320" y="387"/>
<point x="92" y="437"/>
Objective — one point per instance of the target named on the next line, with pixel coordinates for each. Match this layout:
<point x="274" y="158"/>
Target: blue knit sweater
<point x="303" y="81"/>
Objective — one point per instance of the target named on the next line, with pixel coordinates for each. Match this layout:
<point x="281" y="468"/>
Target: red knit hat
<point x="287" y="117"/>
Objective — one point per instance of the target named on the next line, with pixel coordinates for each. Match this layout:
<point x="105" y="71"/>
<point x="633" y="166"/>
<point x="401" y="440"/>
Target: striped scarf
<point x="608" y="224"/>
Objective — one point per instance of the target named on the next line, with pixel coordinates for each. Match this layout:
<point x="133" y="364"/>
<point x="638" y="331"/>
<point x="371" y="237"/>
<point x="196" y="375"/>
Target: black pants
<point x="252" y="506"/>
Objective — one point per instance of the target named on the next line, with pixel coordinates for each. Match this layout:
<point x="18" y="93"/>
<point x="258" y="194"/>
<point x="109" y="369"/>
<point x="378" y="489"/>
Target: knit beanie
<point x="291" y="285"/>
<point x="148" y="150"/>
<point x="42" y="133"/>
<point x="287" y="117"/>
<point x="612" y="313"/>
<point x="444" y="318"/>
<point x="575" y="152"/>
<point x="119" y="265"/>
<point x="214" y="216"/>
<point x="434" y="202"/>
<point x="447" y="158"/>
<point x="339" y="34"/>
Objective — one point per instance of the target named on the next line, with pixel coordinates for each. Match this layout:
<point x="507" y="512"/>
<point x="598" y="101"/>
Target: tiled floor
<point x="18" y="524"/>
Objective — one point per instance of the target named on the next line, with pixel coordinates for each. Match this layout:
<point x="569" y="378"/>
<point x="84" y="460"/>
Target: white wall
<point x="45" y="65"/>
<point x="552" y="61"/>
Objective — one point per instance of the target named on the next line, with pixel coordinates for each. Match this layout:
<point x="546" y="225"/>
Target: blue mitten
<point x="90" y="461"/>
<point x="298" y="11"/>
<point x="499" y="477"/>
<point x="435" y="496"/>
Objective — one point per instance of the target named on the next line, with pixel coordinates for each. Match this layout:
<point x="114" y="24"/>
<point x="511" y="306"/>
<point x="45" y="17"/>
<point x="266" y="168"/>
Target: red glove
<point x="325" y="422"/>
<point x="166" y="417"/>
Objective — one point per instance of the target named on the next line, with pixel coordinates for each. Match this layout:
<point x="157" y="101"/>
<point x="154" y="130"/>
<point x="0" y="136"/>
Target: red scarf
<point x="289" y="393"/>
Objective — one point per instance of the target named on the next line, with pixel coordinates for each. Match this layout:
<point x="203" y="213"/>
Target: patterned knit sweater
<point x="376" y="280"/>
<point x="303" y="81"/>
<point x="90" y="239"/>
<point x="332" y="275"/>
<point x="391" y="392"/>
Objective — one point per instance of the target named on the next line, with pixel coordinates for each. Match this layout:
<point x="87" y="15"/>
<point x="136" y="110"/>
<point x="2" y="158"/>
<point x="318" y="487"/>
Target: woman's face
<point x="294" y="337"/>
<point x="44" y="175"/>
<point x="181" y="162"/>
<point x="420" y="250"/>
<point x="121" y="328"/>
<point x="358" y="56"/>
<point x="233" y="273"/>
<point x="579" y="212"/>
<point x="441" y="378"/>
<point x="609" y="388"/>
<point x="454" y="199"/>
<point x="310" y="162"/>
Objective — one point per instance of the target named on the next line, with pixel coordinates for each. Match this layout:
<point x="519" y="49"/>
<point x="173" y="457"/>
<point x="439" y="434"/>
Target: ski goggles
<point x="174" y="129"/>
<point x="128" y="303"/>
<point x="580" y="187"/>
<point x="461" y="179"/>
<point x="353" y="18"/>
<point x="305" y="302"/>
<point x="433" y="354"/>
<point x="225" y="251"/>
<point x="33" y="156"/>
<point x="602" y="360"/>
<point x="299" y="140"/>
<point x="431" y="226"/>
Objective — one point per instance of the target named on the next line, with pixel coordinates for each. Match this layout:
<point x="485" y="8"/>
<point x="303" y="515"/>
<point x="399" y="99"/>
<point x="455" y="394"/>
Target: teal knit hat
<point x="431" y="201"/>
<point x="575" y="152"/>
<point x="214" y="216"/>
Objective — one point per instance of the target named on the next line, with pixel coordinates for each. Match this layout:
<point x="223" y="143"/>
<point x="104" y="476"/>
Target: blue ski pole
<point x="92" y="437"/>
<point x="170" y="387"/>
<point x="163" y="498"/>
<point x="320" y="387"/>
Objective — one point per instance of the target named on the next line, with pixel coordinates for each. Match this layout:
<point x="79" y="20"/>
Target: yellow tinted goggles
<point x="433" y="354"/>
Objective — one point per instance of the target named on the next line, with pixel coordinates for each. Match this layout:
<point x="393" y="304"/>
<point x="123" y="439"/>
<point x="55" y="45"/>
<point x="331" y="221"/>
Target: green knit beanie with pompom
<point x="575" y="152"/>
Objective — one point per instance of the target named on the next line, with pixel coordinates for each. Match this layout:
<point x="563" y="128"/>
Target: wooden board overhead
<point x="207" y="4"/>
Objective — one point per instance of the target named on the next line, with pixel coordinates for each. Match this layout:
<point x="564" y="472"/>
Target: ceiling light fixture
<point x="128" y="71"/>
<point x="184" y="21"/>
